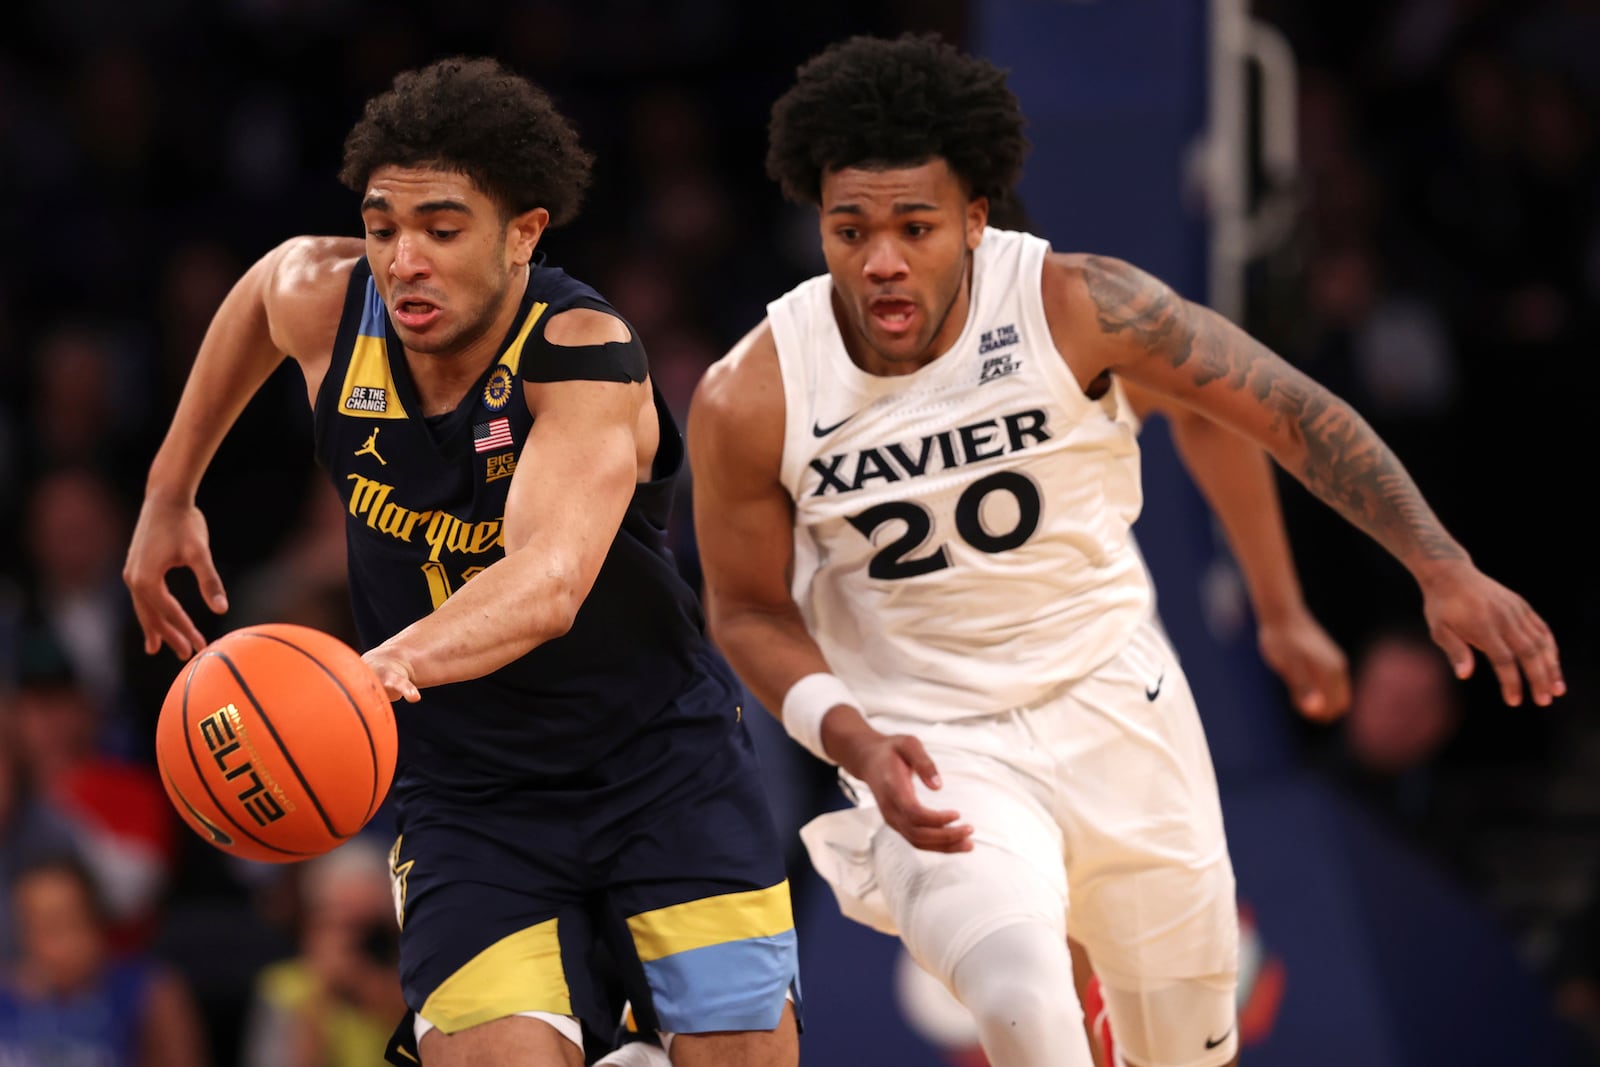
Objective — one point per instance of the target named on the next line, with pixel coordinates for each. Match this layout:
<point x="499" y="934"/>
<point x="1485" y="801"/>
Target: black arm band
<point x="614" y="361"/>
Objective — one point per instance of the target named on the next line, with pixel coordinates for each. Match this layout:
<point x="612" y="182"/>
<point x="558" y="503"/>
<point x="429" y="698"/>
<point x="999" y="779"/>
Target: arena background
<point x="1401" y="197"/>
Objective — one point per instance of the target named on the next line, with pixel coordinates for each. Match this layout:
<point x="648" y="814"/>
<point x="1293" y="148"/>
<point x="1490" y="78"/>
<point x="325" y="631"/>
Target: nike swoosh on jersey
<point x="819" y="430"/>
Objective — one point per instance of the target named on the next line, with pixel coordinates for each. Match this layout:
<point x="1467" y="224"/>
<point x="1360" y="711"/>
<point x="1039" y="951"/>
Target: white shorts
<point x="1105" y="787"/>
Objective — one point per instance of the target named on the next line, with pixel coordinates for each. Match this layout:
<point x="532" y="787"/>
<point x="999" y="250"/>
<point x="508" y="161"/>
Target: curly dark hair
<point x="880" y="103"/>
<point x="477" y="118"/>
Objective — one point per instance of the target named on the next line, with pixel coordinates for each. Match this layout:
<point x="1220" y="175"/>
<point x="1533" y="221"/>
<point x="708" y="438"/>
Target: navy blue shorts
<point x="656" y="876"/>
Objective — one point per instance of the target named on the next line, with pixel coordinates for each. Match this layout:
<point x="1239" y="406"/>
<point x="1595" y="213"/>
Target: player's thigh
<point x="944" y="903"/>
<point x="492" y="925"/>
<point x="778" y="1047"/>
<point x="698" y="897"/>
<point x="1191" y="1022"/>
<point x="1153" y="893"/>
<point x="514" y="1041"/>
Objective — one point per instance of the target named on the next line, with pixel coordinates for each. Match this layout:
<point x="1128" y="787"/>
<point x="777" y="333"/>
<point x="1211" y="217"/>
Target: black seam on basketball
<point x="188" y="743"/>
<point x="372" y="748"/>
<point x="287" y="756"/>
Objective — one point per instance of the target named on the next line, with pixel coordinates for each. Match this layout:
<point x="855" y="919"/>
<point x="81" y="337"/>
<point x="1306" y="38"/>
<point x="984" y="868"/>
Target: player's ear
<point x="522" y="235"/>
<point x="977" y="219"/>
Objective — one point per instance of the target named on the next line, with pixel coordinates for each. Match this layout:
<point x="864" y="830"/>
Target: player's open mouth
<point x="415" y="314"/>
<point x="893" y="314"/>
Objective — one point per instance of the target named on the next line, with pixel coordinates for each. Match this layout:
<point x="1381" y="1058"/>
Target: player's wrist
<point x="807" y="704"/>
<point x="1435" y="575"/>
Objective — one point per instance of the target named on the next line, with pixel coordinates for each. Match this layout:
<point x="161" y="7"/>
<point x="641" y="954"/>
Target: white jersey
<point x="962" y="533"/>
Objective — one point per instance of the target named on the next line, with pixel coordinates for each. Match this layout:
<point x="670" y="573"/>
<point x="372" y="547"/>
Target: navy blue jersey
<point x="425" y="501"/>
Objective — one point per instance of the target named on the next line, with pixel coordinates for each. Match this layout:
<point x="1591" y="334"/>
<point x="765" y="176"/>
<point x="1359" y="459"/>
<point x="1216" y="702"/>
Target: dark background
<point x="1442" y="274"/>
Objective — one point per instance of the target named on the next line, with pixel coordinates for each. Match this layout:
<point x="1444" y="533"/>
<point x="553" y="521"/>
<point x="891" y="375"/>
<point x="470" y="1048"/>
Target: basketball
<point x="276" y="742"/>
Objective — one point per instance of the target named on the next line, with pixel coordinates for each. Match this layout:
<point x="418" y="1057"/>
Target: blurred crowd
<point x="1444" y="277"/>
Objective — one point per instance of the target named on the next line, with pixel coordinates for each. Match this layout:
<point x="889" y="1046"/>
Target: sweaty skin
<point x="897" y="244"/>
<point x="453" y="272"/>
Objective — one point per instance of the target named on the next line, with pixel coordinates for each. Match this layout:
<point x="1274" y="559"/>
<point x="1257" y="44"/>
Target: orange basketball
<point x="276" y="742"/>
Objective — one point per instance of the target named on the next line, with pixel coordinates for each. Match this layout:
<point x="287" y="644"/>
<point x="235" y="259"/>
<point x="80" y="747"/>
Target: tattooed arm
<point x="1106" y="314"/>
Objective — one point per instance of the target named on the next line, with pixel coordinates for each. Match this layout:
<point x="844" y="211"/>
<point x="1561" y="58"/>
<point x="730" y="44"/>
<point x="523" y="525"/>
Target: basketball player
<point x="913" y="510"/>
<point x="573" y="763"/>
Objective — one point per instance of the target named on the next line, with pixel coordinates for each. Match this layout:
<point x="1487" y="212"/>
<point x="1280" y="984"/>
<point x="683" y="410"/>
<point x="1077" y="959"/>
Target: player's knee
<point x="1014" y="1001"/>
<point x="1019" y="978"/>
<point x="945" y="904"/>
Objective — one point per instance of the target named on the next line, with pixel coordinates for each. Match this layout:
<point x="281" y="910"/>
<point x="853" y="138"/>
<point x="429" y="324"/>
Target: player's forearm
<point x="1326" y="444"/>
<point x="1236" y="478"/>
<point x="769" y="648"/>
<point x="235" y="359"/>
<point x="506" y="611"/>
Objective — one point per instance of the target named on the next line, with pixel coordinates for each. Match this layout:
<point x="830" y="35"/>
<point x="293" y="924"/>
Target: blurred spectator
<point x="75" y="527"/>
<point x="71" y="1000"/>
<point x="30" y="829"/>
<point x="119" y="817"/>
<point x="1576" y="971"/>
<point x="1403" y="706"/>
<point x="335" y="1003"/>
<point x="304" y="582"/>
<point x="89" y="403"/>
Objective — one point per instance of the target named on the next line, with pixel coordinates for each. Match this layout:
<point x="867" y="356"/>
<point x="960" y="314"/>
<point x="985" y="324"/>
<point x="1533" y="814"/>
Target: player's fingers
<point x="935" y="831"/>
<point x="173" y="625"/>
<point x="184" y="640"/>
<point x="1312" y="702"/>
<point x="148" y="627"/>
<point x="1535" y="650"/>
<point x="1456" y="650"/>
<point x="1326" y="694"/>
<point x="1337" y="688"/>
<point x="210" y="582"/>
<point x="917" y="758"/>
<point x="914" y="814"/>
<point x="945" y="839"/>
<point x="1507" y="669"/>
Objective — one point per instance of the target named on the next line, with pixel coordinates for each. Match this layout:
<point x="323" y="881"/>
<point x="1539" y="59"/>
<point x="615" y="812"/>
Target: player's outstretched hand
<point x="394" y="673"/>
<point x="1311" y="664"/>
<point x="170" y="535"/>
<point x="1466" y="610"/>
<point x="891" y="766"/>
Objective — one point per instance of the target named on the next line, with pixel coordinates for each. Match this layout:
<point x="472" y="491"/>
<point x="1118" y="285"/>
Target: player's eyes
<point x="444" y="235"/>
<point x="379" y="233"/>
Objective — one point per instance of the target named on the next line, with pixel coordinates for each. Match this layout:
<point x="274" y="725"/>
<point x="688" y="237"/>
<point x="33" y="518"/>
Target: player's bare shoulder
<point x="745" y="386"/>
<point x="1104" y="305"/>
<point x="305" y="292"/>
<point x="739" y="401"/>
<point x="578" y="327"/>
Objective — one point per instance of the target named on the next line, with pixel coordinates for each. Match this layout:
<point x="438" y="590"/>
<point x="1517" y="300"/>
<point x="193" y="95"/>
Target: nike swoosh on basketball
<point x="1210" y="1044"/>
<point x="211" y="828"/>
<point x="819" y="430"/>
<point x="1151" y="694"/>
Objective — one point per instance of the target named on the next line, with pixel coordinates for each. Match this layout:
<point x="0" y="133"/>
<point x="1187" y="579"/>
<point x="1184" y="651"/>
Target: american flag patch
<point x="496" y="433"/>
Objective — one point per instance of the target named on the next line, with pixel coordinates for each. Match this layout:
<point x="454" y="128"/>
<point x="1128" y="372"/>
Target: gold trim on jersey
<point x="712" y="921"/>
<point x="399" y="873"/>
<point x="368" y="391"/>
<point x="520" y="972"/>
<point x="513" y="357"/>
